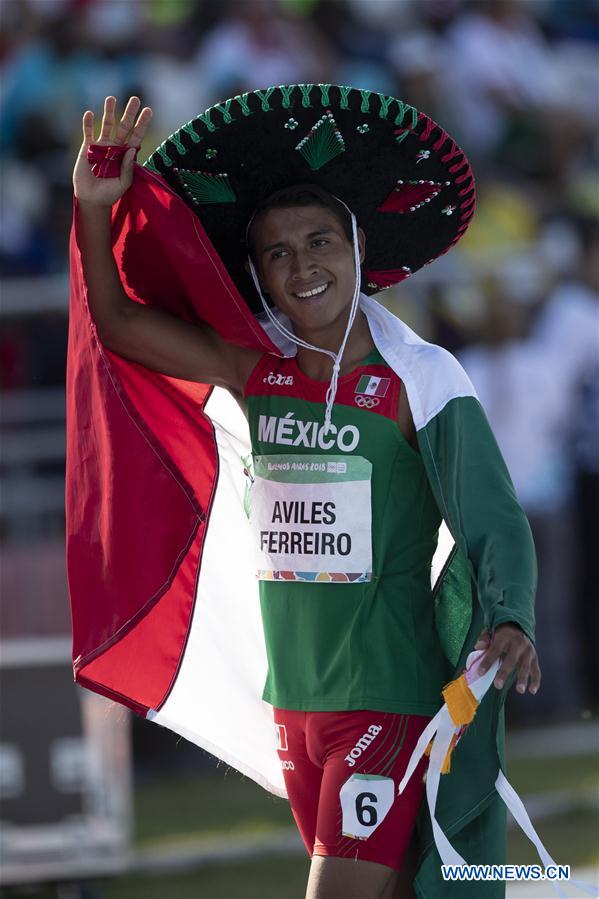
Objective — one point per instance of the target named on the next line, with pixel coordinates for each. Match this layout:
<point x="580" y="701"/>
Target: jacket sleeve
<point x="476" y="497"/>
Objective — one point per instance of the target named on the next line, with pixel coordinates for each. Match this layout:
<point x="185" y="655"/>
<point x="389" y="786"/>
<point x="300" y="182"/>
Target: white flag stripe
<point x="372" y="385"/>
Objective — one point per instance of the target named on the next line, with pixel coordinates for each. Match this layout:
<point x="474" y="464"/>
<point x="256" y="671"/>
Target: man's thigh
<point x="361" y="816"/>
<point x="342" y="771"/>
<point x="302" y="777"/>
<point x="345" y="878"/>
<point x="341" y="878"/>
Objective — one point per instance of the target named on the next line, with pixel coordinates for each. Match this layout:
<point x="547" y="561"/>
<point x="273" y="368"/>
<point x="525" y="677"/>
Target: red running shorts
<point x="342" y="771"/>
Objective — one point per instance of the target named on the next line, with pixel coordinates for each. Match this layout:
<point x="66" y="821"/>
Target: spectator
<point x="417" y="59"/>
<point x="256" y="45"/>
<point x="569" y="326"/>
<point x="529" y="398"/>
<point x="506" y="90"/>
<point x="51" y="72"/>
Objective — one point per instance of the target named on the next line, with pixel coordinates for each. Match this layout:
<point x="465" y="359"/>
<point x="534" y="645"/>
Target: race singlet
<point x="312" y="518"/>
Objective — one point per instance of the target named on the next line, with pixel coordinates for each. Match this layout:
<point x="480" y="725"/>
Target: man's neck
<point x="319" y="366"/>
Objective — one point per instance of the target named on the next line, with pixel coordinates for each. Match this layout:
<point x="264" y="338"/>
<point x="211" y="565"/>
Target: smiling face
<point x="306" y="263"/>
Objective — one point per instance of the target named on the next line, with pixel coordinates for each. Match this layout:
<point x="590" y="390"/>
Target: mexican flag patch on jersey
<point x="370" y="385"/>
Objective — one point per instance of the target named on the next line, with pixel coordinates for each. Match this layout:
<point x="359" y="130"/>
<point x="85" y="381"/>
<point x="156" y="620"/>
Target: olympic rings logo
<point x="366" y="402"/>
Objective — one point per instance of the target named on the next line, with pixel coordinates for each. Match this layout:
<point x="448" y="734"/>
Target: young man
<point x="343" y="510"/>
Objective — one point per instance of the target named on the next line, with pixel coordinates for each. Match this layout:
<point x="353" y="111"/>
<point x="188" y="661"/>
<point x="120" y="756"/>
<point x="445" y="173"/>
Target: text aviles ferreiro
<point x="304" y="542"/>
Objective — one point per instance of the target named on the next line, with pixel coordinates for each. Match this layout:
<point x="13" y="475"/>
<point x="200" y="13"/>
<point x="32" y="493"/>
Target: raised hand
<point x="103" y="192"/>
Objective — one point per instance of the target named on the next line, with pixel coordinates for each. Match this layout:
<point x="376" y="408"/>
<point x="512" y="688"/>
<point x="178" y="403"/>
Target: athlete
<point x="353" y="692"/>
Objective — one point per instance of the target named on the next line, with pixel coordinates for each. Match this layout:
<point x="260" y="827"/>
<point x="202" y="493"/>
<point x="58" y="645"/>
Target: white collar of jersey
<point x="431" y="375"/>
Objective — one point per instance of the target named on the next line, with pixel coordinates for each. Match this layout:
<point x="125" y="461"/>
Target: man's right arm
<point x="150" y="336"/>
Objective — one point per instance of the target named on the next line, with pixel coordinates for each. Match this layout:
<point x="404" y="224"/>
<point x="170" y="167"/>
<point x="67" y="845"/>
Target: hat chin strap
<point x="336" y="357"/>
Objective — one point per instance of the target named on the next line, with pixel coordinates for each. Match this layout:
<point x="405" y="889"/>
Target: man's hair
<point x="300" y="195"/>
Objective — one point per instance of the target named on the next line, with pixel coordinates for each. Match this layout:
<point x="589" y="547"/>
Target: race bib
<point x="366" y="800"/>
<point x="311" y="518"/>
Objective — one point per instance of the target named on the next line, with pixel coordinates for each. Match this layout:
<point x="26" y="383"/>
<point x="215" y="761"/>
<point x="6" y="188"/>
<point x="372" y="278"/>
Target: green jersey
<point x="345" y="525"/>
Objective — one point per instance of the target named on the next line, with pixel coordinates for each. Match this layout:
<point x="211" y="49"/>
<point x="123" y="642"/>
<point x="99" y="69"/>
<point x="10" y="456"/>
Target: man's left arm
<point x="478" y="501"/>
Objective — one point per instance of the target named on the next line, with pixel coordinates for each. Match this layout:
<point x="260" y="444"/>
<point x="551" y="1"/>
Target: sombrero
<point x="408" y="183"/>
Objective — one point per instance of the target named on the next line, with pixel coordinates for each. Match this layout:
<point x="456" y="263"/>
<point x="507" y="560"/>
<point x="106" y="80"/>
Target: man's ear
<point x="361" y="243"/>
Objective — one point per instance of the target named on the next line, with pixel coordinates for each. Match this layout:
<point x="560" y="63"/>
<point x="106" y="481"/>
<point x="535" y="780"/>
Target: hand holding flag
<point x="440" y="737"/>
<point x="511" y="644"/>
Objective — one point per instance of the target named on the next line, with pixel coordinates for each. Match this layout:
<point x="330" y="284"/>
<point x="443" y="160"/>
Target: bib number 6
<point x="365" y="802"/>
<point x="366" y="814"/>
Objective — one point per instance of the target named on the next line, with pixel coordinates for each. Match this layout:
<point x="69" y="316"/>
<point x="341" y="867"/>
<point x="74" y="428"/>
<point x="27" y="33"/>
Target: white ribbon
<point x="440" y="730"/>
<point x="517" y="809"/>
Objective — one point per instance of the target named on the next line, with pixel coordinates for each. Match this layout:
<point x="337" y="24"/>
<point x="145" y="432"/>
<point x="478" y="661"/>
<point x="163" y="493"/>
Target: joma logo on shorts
<point x="278" y="380"/>
<point x="363" y="743"/>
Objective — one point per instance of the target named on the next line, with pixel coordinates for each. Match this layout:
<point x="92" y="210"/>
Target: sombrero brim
<point x="408" y="183"/>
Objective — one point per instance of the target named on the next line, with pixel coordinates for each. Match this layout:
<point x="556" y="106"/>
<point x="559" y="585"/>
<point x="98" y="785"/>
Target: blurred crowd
<point x="515" y="81"/>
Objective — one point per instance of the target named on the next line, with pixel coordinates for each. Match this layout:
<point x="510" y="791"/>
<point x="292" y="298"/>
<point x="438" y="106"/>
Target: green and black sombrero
<point x="408" y="183"/>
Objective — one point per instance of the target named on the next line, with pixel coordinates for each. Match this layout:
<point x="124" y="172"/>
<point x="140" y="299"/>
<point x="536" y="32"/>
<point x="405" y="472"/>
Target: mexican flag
<point x="164" y="599"/>
<point x="373" y="386"/>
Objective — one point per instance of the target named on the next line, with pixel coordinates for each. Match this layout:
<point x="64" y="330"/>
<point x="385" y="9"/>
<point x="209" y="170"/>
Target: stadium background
<point x="517" y="83"/>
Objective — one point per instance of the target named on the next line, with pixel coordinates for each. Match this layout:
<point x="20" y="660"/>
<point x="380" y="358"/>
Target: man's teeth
<point x="312" y="293"/>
